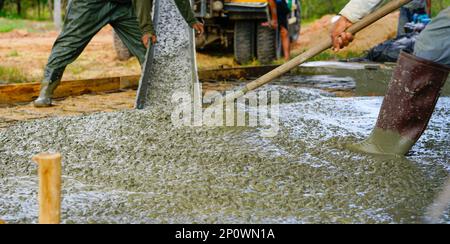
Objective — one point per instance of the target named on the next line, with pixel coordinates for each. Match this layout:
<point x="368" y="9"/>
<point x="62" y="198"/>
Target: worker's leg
<point x="126" y="26"/>
<point x="282" y="13"/>
<point x="84" y="19"/>
<point x="413" y="92"/>
<point x="286" y="43"/>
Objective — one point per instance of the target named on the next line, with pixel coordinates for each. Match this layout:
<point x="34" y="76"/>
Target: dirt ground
<point x="71" y="106"/>
<point x="28" y="53"/>
<point x="80" y="105"/>
<point x="379" y="32"/>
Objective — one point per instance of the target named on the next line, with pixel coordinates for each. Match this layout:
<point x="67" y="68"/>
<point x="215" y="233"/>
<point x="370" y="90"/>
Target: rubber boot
<point x="52" y="78"/>
<point x="407" y="107"/>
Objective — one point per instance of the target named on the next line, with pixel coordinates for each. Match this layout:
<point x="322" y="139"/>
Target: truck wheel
<point x="244" y="41"/>
<point x="266" y="44"/>
<point x="122" y="51"/>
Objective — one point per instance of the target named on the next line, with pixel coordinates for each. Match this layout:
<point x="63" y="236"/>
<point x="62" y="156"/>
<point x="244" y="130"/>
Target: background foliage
<point x="40" y="9"/>
<point x="313" y="9"/>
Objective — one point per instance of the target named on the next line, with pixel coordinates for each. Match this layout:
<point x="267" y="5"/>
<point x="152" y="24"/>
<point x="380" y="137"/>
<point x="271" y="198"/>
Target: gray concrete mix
<point x="173" y="64"/>
<point x="136" y="167"/>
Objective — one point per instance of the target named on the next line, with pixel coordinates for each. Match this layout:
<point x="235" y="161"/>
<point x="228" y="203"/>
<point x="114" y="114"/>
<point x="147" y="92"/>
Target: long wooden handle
<point x="49" y="187"/>
<point x="322" y="46"/>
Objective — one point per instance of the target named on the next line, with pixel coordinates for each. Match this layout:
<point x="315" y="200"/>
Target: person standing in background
<point x="280" y="10"/>
<point x="131" y="19"/>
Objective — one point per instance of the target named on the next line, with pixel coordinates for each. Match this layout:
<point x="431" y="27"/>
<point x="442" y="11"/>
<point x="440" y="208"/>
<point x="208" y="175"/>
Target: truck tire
<point x="244" y="41"/>
<point x="122" y="51"/>
<point x="266" y="44"/>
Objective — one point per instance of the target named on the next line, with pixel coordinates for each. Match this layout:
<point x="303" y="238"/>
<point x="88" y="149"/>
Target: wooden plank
<point x="129" y="82"/>
<point x="27" y="92"/>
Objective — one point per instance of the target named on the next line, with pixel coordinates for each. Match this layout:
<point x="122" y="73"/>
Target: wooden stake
<point x="49" y="187"/>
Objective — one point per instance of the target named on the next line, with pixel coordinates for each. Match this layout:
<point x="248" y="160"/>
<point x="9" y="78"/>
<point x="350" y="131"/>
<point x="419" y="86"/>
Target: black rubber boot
<point x="52" y="78"/>
<point x="407" y="107"/>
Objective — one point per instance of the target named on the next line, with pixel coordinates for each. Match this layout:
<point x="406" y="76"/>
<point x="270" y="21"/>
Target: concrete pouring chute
<point x="171" y="64"/>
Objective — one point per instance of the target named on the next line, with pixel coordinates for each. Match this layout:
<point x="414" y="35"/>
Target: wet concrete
<point x="134" y="166"/>
<point x="336" y="65"/>
<point x="371" y="79"/>
<point x="328" y="82"/>
<point x="173" y="66"/>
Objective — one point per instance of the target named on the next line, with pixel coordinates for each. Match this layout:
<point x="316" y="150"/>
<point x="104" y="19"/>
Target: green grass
<point x="29" y="14"/>
<point x="10" y="24"/>
<point x="9" y="15"/>
<point x="254" y="62"/>
<point x="13" y="53"/>
<point x="13" y="75"/>
<point x="76" y="68"/>
<point x="331" y="55"/>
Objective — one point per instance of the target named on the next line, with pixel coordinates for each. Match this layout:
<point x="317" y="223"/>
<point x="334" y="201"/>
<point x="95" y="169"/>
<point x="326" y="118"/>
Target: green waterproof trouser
<point x="84" y="19"/>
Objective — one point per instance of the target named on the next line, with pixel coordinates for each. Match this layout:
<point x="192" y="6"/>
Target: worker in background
<point x="408" y="11"/>
<point x="415" y="86"/>
<point x="131" y="19"/>
<point x="280" y="10"/>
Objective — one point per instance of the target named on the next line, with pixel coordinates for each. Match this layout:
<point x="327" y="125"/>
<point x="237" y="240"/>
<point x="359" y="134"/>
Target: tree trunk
<point x="19" y="7"/>
<point x="57" y="14"/>
<point x="1" y="4"/>
<point x="50" y="7"/>
<point x="39" y="8"/>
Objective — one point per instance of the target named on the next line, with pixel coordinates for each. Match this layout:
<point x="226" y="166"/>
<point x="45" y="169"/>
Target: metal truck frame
<point x="239" y="23"/>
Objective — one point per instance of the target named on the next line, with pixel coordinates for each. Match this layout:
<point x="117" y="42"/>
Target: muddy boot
<point x="52" y="78"/>
<point x="407" y="107"/>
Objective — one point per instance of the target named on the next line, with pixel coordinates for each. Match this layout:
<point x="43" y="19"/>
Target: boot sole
<point x="42" y="105"/>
